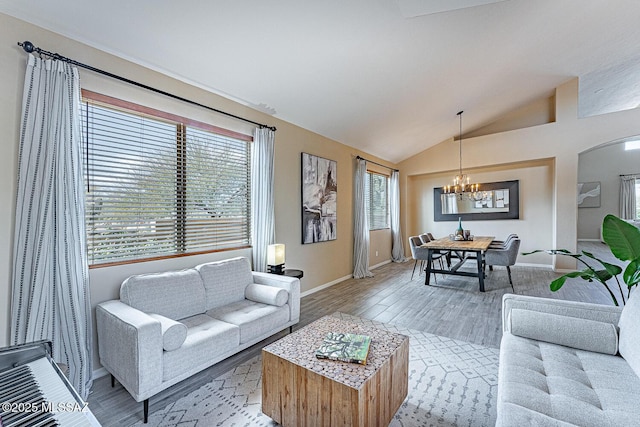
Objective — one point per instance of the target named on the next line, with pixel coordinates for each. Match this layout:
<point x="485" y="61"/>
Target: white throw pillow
<point x="629" y="325"/>
<point x="174" y="333"/>
<point x="266" y="294"/>
<point x="568" y="331"/>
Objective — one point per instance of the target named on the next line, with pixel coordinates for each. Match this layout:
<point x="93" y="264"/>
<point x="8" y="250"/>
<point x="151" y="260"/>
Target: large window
<point x="159" y="186"/>
<point x="377" y="200"/>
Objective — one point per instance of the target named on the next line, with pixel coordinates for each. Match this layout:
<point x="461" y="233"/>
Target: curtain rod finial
<point x="27" y="46"/>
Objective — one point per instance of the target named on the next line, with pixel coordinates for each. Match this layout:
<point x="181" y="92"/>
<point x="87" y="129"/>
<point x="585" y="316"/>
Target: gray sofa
<point x="565" y="363"/>
<point x="168" y="326"/>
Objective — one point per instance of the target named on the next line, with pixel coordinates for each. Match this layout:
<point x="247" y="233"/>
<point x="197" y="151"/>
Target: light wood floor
<point x="453" y="307"/>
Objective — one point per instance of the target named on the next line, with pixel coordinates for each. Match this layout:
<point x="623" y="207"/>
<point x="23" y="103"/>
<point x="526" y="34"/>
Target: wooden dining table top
<point x="479" y="243"/>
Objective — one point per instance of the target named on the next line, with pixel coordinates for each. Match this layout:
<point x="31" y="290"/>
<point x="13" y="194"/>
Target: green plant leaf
<point x="532" y="252"/>
<point x="623" y="238"/>
<point x="604" y="275"/>
<point x="585" y="275"/>
<point x="613" y="269"/>
<point x="557" y="284"/>
<point x="631" y="274"/>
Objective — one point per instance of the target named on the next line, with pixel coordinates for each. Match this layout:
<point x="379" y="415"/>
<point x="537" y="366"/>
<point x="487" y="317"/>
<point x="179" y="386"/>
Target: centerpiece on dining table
<point x="461" y="234"/>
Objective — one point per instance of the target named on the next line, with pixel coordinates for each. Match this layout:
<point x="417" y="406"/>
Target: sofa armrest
<point x="130" y="346"/>
<point x="581" y="310"/>
<point x="290" y="284"/>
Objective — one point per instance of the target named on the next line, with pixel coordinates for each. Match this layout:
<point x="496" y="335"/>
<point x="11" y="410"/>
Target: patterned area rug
<point x="451" y="383"/>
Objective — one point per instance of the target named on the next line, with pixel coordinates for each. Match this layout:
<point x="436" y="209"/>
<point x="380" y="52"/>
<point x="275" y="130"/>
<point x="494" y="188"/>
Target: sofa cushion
<point x="629" y="325"/>
<point x="173" y="332"/>
<point x="206" y="339"/>
<point x="564" y="330"/>
<point x="266" y="294"/>
<point x="173" y="294"/>
<point x="225" y="281"/>
<point x="550" y="385"/>
<point x="253" y="318"/>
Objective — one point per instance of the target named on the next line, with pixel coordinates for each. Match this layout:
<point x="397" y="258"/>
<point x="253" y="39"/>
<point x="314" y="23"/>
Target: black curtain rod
<point x="629" y="174"/>
<point x="376" y="163"/>
<point x="29" y="47"/>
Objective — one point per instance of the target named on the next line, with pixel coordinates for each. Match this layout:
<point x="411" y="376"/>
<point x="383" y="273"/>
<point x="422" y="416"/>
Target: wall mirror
<point x="495" y="200"/>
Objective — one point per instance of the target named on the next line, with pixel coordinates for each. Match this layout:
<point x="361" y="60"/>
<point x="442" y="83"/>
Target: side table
<point x="294" y="273"/>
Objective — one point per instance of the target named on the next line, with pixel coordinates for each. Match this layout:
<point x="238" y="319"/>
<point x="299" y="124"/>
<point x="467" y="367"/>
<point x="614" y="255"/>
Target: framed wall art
<point x="319" y="199"/>
<point x="589" y="194"/>
<point x="495" y="200"/>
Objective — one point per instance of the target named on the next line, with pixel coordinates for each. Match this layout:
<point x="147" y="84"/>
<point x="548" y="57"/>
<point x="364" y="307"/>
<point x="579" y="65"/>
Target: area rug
<point x="451" y="383"/>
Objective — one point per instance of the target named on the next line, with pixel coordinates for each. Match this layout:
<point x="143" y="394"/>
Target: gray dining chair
<point x="501" y="244"/>
<point x="505" y="257"/>
<point x="418" y="253"/>
<point x="437" y="255"/>
<point x="422" y="254"/>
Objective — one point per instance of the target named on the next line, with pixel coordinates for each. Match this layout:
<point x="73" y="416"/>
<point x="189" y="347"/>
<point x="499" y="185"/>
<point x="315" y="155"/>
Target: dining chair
<point x="501" y="244"/>
<point x="417" y="252"/>
<point x="505" y="257"/>
<point x="436" y="256"/>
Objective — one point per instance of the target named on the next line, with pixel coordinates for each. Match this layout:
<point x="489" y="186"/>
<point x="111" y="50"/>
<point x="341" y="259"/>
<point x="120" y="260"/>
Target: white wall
<point x="604" y="164"/>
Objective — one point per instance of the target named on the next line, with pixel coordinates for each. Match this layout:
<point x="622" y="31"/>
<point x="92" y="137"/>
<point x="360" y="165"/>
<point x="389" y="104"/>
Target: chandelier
<point x="462" y="186"/>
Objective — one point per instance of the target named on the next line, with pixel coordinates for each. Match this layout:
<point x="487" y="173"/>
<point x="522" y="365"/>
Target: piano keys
<point x="34" y="392"/>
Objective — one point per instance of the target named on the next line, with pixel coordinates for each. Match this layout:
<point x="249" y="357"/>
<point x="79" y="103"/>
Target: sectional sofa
<point x="565" y="363"/>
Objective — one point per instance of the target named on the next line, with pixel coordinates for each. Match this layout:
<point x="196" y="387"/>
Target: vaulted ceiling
<point x="385" y="76"/>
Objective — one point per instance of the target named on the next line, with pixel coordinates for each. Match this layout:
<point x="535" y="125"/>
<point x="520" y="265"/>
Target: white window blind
<point x="377" y="200"/>
<point x="158" y="188"/>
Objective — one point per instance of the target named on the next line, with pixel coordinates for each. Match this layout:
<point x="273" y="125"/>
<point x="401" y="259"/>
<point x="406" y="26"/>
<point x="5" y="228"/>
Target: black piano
<point x="34" y="392"/>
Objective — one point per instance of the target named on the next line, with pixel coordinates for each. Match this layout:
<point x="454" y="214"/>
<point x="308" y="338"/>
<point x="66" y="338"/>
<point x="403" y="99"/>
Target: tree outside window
<point x="377" y="200"/>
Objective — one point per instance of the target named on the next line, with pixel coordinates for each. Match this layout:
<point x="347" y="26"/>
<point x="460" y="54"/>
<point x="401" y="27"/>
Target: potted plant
<point x="623" y="240"/>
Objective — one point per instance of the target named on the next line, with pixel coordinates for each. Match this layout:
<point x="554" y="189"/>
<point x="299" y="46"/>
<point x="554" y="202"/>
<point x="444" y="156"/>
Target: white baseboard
<point x="589" y="240"/>
<point x="335" y="282"/>
<point x="325" y="286"/>
<point x="99" y="373"/>
<point x="545" y="266"/>
<point x="373" y="267"/>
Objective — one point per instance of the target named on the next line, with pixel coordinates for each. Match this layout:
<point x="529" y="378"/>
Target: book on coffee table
<point x="345" y="347"/>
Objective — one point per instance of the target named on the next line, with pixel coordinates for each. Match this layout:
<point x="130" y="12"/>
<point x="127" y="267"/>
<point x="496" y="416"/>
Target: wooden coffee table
<point x="300" y="390"/>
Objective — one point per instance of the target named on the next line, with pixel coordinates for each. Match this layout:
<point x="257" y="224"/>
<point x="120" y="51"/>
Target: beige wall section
<point x="322" y="263"/>
<point x="538" y="112"/>
<point x="560" y="142"/>
<point x="535" y="180"/>
<point x="604" y="164"/>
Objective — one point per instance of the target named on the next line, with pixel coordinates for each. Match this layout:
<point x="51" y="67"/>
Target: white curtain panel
<point x="397" y="248"/>
<point x="50" y="290"/>
<point x="360" y="224"/>
<point x="628" y="197"/>
<point x="263" y="229"/>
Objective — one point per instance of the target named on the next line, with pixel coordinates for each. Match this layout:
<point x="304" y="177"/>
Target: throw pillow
<point x="568" y="331"/>
<point x="266" y="294"/>
<point x="174" y="333"/>
<point x="629" y="325"/>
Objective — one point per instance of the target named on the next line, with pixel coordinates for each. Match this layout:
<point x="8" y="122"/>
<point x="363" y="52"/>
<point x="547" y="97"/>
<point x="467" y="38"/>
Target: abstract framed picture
<point x="589" y="194"/>
<point x="319" y="199"/>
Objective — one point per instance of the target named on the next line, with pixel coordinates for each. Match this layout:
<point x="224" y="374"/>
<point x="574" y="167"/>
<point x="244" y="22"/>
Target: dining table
<point x="464" y="250"/>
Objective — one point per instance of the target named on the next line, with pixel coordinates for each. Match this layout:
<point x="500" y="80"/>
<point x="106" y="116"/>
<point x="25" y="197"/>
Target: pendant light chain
<point x="460" y="141"/>
<point x="461" y="183"/>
